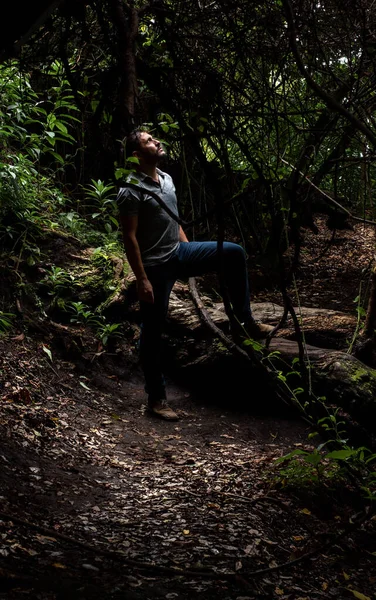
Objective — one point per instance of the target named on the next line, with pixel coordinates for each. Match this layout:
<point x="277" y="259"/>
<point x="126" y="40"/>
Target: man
<point x="159" y="253"/>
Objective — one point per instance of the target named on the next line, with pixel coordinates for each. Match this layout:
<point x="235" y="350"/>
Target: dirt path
<point x="80" y="458"/>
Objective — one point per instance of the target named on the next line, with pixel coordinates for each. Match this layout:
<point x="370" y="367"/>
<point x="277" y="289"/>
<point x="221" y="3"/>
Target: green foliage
<point x="104" y="207"/>
<point x="333" y="460"/>
<point x="107" y="332"/>
<point x="73" y="223"/>
<point x="18" y="212"/>
<point x="82" y="314"/>
<point x="166" y="122"/>
<point x="100" y="192"/>
<point x="39" y="126"/>
<point x="302" y="469"/>
<point x="58" y="281"/>
<point x="5" y="322"/>
<point x="34" y="141"/>
<point x="319" y="467"/>
<point x="103" y="260"/>
<point x="361" y="314"/>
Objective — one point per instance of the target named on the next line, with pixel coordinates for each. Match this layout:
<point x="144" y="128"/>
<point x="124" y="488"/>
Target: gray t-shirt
<point x="157" y="233"/>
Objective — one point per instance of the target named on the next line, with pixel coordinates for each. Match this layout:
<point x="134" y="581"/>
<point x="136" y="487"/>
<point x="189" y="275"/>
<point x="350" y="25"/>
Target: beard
<point x="154" y="158"/>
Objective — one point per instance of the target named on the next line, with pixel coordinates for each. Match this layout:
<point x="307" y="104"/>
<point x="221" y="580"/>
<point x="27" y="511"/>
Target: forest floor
<point x="101" y="501"/>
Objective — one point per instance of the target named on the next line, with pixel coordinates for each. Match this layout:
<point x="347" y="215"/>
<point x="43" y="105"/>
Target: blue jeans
<point x="190" y="259"/>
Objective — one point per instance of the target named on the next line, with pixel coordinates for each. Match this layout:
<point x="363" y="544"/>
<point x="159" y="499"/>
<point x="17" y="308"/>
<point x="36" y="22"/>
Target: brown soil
<point x="334" y="269"/>
<point x="99" y="500"/>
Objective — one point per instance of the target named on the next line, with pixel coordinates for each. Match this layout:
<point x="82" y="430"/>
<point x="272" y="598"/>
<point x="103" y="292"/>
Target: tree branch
<point x="330" y="101"/>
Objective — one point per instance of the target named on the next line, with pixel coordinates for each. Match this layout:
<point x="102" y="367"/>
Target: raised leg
<point x="198" y="258"/>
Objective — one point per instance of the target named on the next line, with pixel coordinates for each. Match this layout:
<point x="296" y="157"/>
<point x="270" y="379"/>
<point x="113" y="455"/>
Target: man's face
<point x="150" y="150"/>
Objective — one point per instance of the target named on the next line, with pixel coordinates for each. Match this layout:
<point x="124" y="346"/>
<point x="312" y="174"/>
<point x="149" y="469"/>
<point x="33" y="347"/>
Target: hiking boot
<point x="257" y="331"/>
<point x="160" y="409"/>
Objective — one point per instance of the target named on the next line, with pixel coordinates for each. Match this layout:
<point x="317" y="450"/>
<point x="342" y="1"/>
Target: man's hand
<point x="145" y="291"/>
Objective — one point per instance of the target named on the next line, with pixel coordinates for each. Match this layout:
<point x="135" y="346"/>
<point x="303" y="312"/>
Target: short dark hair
<point x="133" y="142"/>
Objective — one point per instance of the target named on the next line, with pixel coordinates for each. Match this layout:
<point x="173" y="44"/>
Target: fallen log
<point x="336" y="375"/>
<point x="339" y="377"/>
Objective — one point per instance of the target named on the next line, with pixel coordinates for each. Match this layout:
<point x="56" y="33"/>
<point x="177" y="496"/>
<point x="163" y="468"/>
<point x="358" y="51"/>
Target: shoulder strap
<point x="161" y="203"/>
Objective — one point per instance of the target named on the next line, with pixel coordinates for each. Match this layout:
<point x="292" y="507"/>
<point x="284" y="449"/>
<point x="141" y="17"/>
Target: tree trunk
<point x="126" y="20"/>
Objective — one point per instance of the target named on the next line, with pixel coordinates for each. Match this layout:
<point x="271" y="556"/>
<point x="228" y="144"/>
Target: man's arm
<point x="182" y="236"/>
<point x="144" y="288"/>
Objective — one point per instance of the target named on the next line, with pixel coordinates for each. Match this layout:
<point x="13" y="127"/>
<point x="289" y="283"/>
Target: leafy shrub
<point x="5" y="321"/>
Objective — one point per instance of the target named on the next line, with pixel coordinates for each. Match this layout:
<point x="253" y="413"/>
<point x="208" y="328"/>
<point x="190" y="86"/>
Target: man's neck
<point x="150" y="170"/>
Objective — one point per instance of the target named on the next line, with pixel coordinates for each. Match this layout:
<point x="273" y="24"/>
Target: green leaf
<point x="255" y="345"/>
<point x="313" y="459"/>
<point x="119" y="173"/>
<point x="57" y="156"/>
<point x="341" y="454"/>
<point x="298" y="390"/>
<point x="61" y="126"/>
<point x="290" y="455"/>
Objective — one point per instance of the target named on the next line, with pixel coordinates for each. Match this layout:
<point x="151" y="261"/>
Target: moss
<point x="362" y="378"/>
<point x="92" y="285"/>
<point x="109" y="299"/>
<point x="97" y="281"/>
<point x="362" y="375"/>
<point x="220" y="348"/>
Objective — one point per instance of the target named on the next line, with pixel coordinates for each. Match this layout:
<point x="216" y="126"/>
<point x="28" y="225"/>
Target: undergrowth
<point x="37" y="138"/>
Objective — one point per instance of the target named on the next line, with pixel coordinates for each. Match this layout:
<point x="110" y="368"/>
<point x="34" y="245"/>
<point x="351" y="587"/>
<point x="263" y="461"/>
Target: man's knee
<point x="233" y="252"/>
